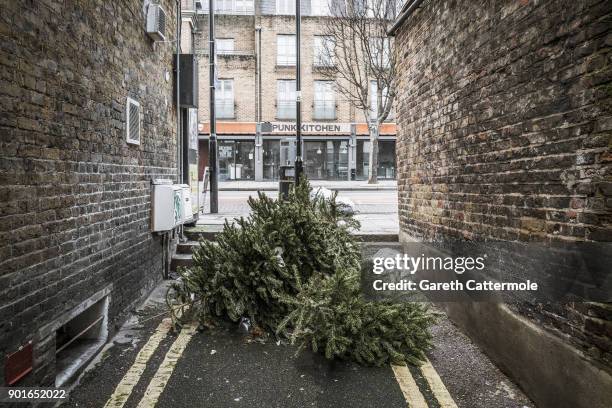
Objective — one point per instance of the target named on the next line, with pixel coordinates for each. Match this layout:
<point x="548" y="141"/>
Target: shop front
<point x="329" y="151"/>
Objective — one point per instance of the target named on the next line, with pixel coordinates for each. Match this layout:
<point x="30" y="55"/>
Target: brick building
<point x="76" y="247"/>
<point x="504" y="125"/>
<point x="256" y="85"/>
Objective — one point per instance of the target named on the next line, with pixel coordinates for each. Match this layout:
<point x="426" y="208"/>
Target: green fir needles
<point x="293" y="268"/>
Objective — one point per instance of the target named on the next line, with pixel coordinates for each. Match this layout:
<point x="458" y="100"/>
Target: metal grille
<point x="161" y="21"/>
<point x="133" y="121"/>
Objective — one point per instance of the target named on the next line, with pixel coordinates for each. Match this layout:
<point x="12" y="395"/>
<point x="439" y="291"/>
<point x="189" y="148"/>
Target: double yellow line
<point x="411" y="391"/>
<point x="164" y="372"/>
<point x="407" y="384"/>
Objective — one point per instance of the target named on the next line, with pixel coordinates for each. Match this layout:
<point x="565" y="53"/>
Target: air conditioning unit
<point x="156" y="22"/>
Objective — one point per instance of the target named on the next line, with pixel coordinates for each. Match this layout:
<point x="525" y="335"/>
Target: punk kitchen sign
<point x="307" y="128"/>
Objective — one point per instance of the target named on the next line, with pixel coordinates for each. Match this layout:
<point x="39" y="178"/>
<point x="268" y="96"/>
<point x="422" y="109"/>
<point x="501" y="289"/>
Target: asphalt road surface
<point x="147" y="365"/>
<point x="376" y="209"/>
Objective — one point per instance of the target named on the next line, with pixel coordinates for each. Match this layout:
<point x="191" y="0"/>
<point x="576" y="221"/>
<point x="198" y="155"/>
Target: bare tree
<point x="362" y="61"/>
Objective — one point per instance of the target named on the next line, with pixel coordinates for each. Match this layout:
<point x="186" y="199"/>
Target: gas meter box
<point x="166" y="206"/>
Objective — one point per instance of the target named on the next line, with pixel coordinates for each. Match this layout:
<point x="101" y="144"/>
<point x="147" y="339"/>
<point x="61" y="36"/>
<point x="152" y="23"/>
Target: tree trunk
<point x="373" y="170"/>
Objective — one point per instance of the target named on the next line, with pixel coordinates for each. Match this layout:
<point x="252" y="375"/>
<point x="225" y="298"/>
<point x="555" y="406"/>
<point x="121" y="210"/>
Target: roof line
<point x="407" y="10"/>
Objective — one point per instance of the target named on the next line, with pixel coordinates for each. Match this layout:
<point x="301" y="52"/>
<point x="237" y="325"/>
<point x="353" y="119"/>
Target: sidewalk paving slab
<point x="248" y="185"/>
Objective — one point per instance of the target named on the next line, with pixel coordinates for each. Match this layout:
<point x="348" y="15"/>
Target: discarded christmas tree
<point x="259" y="259"/>
<point x="331" y="316"/>
<point x="292" y="267"/>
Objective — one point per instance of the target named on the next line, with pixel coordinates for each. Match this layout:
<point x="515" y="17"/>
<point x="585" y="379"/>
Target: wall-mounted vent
<point x="132" y="121"/>
<point x="18" y="364"/>
<point x="80" y="338"/>
<point x="156" y="22"/>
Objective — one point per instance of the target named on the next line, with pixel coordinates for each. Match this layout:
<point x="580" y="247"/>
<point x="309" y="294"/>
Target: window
<point x="374" y="101"/>
<point x="381" y="8"/>
<point x="320" y="7"/>
<point x="225" y="45"/>
<point x="379" y="52"/>
<point x="234" y="6"/>
<point x="285" y="49"/>
<point x="224" y="98"/>
<point x="285" y="103"/>
<point x="324" y="100"/>
<point x="285" y="7"/>
<point x="323" y="51"/>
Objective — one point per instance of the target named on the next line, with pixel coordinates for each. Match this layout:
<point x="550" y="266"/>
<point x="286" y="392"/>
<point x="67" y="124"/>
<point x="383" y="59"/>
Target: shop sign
<point x="309" y="128"/>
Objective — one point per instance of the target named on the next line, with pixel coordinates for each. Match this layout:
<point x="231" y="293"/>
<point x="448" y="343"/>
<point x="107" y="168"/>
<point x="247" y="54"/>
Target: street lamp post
<point x="212" y="143"/>
<point x="298" y="95"/>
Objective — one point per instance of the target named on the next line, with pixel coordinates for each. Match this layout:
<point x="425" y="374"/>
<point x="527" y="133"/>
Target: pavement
<point x="147" y="365"/>
<point x="376" y="209"/>
<point x="248" y="185"/>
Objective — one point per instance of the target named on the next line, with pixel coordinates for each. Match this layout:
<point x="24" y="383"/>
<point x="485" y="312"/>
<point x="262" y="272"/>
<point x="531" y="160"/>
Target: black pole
<point x="212" y="144"/>
<point x="298" y="93"/>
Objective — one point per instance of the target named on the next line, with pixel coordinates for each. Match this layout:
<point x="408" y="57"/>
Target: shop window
<point x="236" y="160"/>
<point x="386" y="159"/>
<point x="326" y="160"/>
<point x="271" y="159"/>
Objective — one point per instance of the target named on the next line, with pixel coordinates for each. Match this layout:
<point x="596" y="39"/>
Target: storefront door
<point x="315" y="160"/>
<point x="271" y="159"/>
<point x="236" y="160"/>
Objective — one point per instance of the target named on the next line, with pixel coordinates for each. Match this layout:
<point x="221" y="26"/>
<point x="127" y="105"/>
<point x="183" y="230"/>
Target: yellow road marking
<point x="437" y="386"/>
<point x="409" y="388"/>
<point x="130" y="379"/>
<point x="164" y="372"/>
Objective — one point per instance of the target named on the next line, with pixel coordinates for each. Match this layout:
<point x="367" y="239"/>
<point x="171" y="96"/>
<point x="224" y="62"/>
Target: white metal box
<point x="156" y="22"/>
<point x="187" y="212"/>
<point x="166" y="207"/>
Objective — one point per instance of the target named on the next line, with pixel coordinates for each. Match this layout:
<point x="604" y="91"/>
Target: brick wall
<point x="74" y="197"/>
<point x="504" y="123"/>
<point x="241" y="66"/>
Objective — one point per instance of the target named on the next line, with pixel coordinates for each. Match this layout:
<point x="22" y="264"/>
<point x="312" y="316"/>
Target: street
<point x="147" y="365"/>
<point x="376" y="209"/>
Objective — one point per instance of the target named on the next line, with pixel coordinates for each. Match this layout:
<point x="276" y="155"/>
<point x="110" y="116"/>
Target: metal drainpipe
<point x="179" y="142"/>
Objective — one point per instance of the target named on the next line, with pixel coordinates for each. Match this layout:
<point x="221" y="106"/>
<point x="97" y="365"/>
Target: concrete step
<point x="187" y="247"/>
<point x="208" y="232"/>
<point x="369" y="249"/>
<point x="377" y="237"/>
<point x="181" y="260"/>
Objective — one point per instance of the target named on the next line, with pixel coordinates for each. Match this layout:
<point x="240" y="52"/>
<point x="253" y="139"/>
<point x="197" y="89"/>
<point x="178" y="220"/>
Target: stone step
<point x="377" y="237"/>
<point x="371" y="243"/>
<point x="369" y="249"/>
<point x="187" y="247"/>
<point x="208" y="232"/>
<point x="181" y="260"/>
